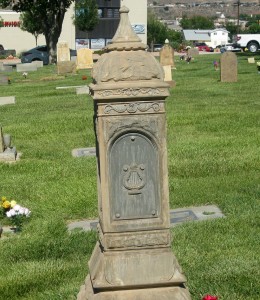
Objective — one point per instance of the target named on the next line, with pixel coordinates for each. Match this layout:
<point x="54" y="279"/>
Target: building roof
<point x="200" y="35"/>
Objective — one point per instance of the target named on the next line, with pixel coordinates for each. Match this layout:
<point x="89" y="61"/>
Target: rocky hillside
<point x="168" y="9"/>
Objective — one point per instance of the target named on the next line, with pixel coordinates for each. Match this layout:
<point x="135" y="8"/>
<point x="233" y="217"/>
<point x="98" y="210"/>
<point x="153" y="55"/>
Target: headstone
<point x="167" y="55"/>
<point x="82" y="152"/>
<point x="63" y="52"/>
<point x="83" y="90"/>
<point x="3" y="79"/>
<point x="7" y="100"/>
<point x="193" y="52"/>
<point x="7" y="153"/>
<point x="167" y="73"/>
<point x="27" y="67"/>
<point x="251" y="60"/>
<point x="228" y="67"/>
<point x="7" y="69"/>
<point x="84" y="58"/>
<point x="66" y="67"/>
<point x="38" y="63"/>
<point x="133" y="258"/>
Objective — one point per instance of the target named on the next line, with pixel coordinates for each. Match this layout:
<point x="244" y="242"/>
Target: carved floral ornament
<point x="132" y="107"/>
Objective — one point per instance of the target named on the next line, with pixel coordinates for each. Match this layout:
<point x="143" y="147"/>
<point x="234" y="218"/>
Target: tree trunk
<point x="52" y="31"/>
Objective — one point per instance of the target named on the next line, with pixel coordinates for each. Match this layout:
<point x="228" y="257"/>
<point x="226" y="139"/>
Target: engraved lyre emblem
<point x="134" y="178"/>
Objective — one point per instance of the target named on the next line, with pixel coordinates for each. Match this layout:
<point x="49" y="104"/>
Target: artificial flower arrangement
<point x="16" y="213"/>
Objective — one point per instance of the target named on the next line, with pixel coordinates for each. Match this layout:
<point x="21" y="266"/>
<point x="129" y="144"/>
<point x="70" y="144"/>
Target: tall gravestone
<point x="133" y="257"/>
<point x="63" y="52"/>
<point x="167" y="55"/>
<point x="228" y="67"/>
<point x="84" y="58"/>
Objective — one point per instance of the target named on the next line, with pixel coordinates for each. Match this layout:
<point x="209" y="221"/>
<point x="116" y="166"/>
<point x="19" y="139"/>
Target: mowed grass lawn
<point x="213" y="157"/>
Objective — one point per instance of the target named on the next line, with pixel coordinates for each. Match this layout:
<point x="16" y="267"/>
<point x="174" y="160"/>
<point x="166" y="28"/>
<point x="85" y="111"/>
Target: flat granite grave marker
<point x="83" y="90"/>
<point x="251" y="60"/>
<point x="7" y="100"/>
<point x="84" y="58"/>
<point x="38" y="63"/>
<point x="27" y="67"/>
<point x="133" y="258"/>
<point x="228" y="67"/>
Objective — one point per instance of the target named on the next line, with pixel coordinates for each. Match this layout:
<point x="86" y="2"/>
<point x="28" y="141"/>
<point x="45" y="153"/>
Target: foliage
<point x="232" y="28"/>
<point x="157" y="32"/>
<point x="86" y="14"/>
<point x="50" y="16"/>
<point x="29" y="23"/>
<point x="197" y="22"/>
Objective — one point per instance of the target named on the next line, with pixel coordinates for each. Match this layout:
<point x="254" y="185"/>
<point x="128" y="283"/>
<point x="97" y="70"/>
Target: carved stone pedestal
<point x="133" y="257"/>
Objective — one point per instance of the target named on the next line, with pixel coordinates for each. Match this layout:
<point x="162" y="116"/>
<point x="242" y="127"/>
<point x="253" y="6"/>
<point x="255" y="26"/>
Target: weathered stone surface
<point x="63" y="52"/>
<point x="83" y="90"/>
<point x="251" y="60"/>
<point x="193" y="52"/>
<point x="133" y="251"/>
<point x="167" y="56"/>
<point x="80" y="152"/>
<point x="167" y="73"/>
<point x="7" y="100"/>
<point x="38" y="63"/>
<point x="3" y="79"/>
<point x="159" y="293"/>
<point x="28" y="67"/>
<point x="228" y="67"/>
<point x="66" y="67"/>
<point x="8" y="155"/>
<point x="84" y="58"/>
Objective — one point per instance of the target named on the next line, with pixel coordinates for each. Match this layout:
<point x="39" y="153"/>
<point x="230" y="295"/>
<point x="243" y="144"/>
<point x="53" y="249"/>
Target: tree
<point x="50" y="15"/>
<point x="158" y="32"/>
<point x="197" y="22"/>
<point x="86" y="15"/>
<point x="29" y="23"/>
<point x="232" y="29"/>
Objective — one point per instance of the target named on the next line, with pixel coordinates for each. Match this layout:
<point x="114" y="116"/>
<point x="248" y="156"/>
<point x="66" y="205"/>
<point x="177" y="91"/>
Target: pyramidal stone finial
<point x="125" y="38"/>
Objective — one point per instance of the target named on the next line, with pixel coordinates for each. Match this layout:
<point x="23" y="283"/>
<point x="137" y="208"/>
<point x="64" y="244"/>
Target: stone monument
<point x="133" y="257"/>
<point x="228" y="67"/>
<point x="84" y="58"/>
<point x="63" y="52"/>
<point x="167" y="55"/>
<point x="167" y="61"/>
<point x="7" y="153"/>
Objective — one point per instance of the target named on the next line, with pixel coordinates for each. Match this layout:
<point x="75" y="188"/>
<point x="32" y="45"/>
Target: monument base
<point x="8" y="155"/>
<point x="160" y="293"/>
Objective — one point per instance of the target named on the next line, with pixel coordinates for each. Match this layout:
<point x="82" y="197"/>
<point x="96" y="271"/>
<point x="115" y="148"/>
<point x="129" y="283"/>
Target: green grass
<point x="213" y="158"/>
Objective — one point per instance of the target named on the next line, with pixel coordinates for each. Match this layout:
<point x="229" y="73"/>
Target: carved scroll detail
<point x="132" y="107"/>
<point x="132" y="92"/>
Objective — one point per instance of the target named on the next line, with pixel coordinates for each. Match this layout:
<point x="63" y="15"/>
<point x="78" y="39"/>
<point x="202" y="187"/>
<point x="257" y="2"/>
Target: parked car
<point x="229" y="47"/>
<point x="157" y="47"/>
<point x="39" y="53"/>
<point x="203" y="47"/>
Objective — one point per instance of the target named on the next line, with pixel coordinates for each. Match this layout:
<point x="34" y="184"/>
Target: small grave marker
<point x="251" y="60"/>
<point x="28" y="67"/>
<point x="7" y="100"/>
<point x="228" y="67"/>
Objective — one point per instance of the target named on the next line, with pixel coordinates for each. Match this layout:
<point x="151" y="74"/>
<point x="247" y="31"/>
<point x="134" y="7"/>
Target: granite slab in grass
<point x="177" y="216"/>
